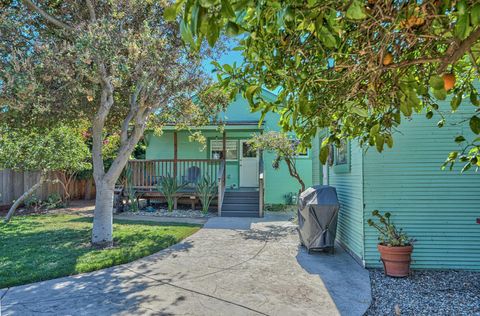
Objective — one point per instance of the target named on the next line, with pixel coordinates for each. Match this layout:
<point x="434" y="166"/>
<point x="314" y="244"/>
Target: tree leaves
<point x="475" y="124"/>
<point x="455" y="103"/>
<point x="250" y="92"/>
<point x="436" y="82"/>
<point x="356" y="11"/>
<point x="324" y="152"/>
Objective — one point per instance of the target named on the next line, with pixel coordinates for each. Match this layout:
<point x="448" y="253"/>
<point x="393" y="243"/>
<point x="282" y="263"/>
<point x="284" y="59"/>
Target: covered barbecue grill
<point x="318" y="208"/>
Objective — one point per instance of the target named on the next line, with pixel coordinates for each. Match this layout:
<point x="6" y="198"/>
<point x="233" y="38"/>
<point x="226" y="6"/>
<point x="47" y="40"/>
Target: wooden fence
<point x="13" y="184"/>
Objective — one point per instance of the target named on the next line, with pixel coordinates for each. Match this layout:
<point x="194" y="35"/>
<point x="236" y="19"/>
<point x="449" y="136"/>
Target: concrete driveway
<point x="233" y="266"/>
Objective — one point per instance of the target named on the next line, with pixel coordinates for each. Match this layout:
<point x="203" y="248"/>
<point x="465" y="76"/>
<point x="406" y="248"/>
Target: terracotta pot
<point x="396" y="260"/>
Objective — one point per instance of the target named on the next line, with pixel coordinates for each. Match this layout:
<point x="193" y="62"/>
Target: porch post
<point x="175" y="154"/>
<point x="224" y="149"/>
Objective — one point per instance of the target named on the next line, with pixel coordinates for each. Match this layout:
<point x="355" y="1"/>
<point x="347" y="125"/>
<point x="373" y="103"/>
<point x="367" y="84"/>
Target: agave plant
<point x="206" y="190"/>
<point x="169" y="186"/>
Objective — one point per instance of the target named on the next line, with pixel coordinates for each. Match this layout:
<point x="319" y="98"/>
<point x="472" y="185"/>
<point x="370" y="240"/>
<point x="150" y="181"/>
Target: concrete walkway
<point x="233" y="266"/>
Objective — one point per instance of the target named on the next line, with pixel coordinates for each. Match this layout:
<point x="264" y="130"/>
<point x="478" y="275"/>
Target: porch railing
<point x="146" y="174"/>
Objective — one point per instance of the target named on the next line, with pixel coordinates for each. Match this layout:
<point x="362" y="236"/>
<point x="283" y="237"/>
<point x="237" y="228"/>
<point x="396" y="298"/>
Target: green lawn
<point x="42" y="247"/>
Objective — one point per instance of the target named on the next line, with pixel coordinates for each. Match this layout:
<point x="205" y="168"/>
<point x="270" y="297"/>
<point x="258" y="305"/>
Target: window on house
<point x="248" y="151"/>
<point x="341" y="154"/>
<point x="216" y="149"/>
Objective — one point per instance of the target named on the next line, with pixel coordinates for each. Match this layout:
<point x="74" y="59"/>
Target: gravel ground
<point x="175" y="213"/>
<point x="426" y="292"/>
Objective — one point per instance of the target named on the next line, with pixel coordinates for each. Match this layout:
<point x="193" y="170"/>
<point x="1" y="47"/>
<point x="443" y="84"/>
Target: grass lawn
<point x="42" y="247"/>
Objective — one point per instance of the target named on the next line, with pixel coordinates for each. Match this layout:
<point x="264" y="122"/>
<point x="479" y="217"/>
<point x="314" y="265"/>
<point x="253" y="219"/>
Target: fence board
<point x="13" y="184"/>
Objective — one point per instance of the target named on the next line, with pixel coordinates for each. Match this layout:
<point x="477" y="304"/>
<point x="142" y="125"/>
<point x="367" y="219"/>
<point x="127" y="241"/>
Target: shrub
<point x="33" y="202"/>
<point x="53" y="201"/>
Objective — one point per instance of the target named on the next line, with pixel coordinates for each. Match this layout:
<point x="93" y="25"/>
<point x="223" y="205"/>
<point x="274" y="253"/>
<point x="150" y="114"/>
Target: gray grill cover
<point x="317" y="217"/>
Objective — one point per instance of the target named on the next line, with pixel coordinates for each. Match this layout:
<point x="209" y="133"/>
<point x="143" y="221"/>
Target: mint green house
<point x="438" y="208"/>
<point x="246" y="179"/>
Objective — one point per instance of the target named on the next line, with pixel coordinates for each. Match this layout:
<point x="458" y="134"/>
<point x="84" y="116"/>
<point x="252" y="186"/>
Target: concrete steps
<point x="241" y="204"/>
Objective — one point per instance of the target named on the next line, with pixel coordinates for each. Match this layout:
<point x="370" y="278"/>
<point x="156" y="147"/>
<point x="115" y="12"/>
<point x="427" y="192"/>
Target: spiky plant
<point x="206" y="190"/>
<point x="169" y="186"/>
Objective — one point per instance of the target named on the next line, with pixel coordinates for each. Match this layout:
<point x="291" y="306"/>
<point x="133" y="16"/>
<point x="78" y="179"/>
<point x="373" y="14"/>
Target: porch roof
<point x="230" y="125"/>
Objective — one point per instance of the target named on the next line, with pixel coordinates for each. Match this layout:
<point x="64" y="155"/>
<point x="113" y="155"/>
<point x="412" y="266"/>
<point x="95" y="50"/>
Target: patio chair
<point x="192" y="177"/>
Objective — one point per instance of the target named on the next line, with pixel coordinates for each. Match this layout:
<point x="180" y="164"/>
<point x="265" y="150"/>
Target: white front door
<point x="248" y="165"/>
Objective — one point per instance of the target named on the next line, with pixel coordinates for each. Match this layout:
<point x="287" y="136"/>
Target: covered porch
<point x="225" y="159"/>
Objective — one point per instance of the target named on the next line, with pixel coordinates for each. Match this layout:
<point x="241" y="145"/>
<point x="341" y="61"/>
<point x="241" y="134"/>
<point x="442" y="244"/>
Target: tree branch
<point x="91" y="10"/>
<point x="48" y="17"/>
<point x="461" y="50"/>
<point x="131" y="114"/>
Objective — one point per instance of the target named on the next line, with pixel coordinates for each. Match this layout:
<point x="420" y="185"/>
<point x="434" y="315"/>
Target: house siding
<point x="349" y="185"/>
<point x="437" y="208"/>
<point x="316" y="165"/>
<point x="278" y="182"/>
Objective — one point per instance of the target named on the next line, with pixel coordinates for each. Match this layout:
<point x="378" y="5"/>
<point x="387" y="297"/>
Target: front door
<point x="248" y="165"/>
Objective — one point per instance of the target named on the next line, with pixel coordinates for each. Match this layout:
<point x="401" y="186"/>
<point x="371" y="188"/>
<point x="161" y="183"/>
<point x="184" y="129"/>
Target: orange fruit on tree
<point x="448" y="81"/>
<point x="387" y="59"/>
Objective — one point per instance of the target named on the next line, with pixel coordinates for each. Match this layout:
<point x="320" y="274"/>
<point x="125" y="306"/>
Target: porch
<point x="230" y="199"/>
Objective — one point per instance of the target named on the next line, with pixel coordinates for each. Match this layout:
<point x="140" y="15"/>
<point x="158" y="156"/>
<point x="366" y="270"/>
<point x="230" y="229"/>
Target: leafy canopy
<point x="352" y="67"/>
<point x="60" y="149"/>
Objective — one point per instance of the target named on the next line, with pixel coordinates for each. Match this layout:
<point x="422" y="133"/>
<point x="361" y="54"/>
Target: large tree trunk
<point x="22" y="198"/>
<point x="103" y="215"/>
<point x="105" y="180"/>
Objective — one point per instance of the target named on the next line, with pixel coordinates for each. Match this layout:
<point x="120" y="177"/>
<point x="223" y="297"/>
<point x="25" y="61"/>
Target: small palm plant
<point x="206" y="190"/>
<point x="169" y="186"/>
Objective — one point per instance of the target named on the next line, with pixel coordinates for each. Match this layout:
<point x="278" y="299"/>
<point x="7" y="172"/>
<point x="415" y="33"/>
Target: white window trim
<point x="221" y="143"/>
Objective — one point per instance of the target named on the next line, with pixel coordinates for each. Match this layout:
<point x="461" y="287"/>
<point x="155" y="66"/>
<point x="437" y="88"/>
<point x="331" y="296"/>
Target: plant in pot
<point x="394" y="245"/>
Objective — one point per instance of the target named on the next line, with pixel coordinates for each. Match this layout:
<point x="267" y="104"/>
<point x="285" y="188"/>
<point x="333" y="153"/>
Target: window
<point x="300" y="154"/>
<point x="341" y="158"/>
<point x="341" y="154"/>
<point x="248" y="151"/>
<point x="216" y="149"/>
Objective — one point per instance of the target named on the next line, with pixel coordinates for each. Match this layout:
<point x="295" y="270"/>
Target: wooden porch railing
<point x="146" y="174"/>
<point x="261" y="186"/>
<point x="221" y="186"/>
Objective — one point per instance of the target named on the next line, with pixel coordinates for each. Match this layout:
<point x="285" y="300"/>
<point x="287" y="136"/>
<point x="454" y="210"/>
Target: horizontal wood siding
<point x="349" y="189"/>
<point x="316" y="165"/>
<point x="438" y="208"/>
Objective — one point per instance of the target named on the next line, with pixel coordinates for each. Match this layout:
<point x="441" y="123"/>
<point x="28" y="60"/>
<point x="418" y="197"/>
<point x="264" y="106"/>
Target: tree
<point x="284" y="147"/>
<point x="118" y="64"/>
<point x="61" y="149"/>
<point x="353" y="67"/>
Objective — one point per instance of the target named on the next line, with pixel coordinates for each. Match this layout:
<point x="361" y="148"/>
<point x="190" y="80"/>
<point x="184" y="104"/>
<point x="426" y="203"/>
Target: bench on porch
<point x="187" y="197"/>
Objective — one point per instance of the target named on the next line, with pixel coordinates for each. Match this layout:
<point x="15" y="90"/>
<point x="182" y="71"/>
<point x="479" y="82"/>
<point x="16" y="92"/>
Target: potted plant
<point x="394" y="245"/>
